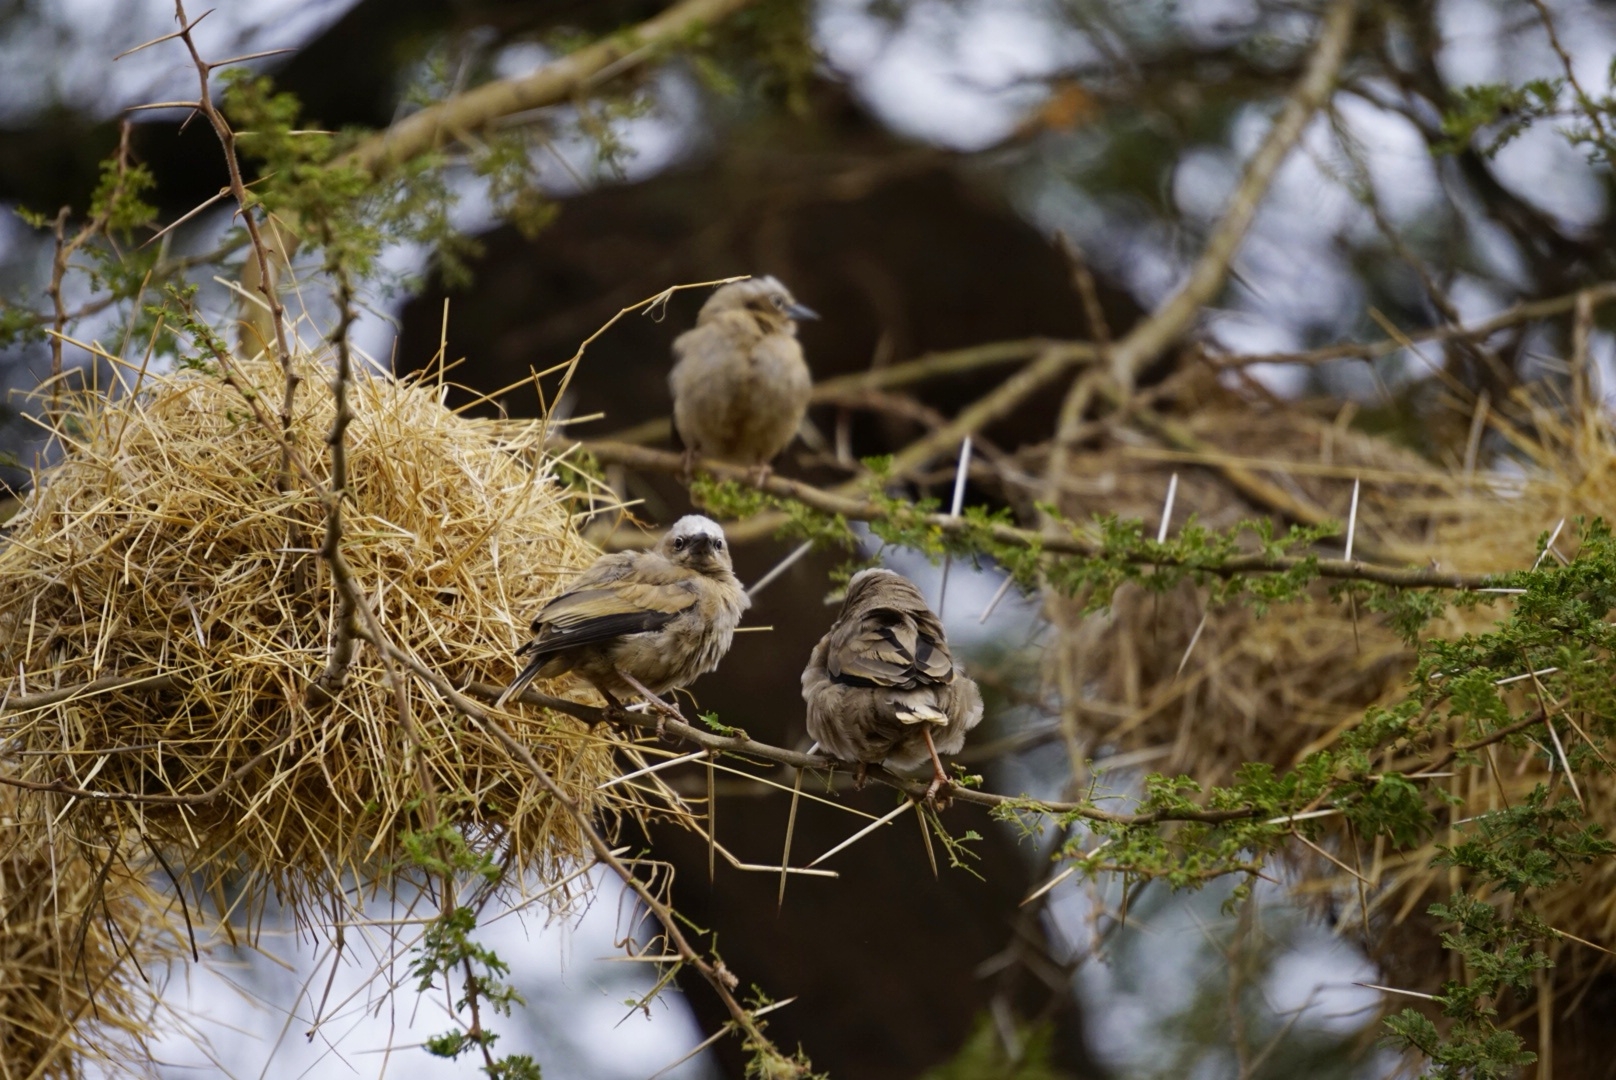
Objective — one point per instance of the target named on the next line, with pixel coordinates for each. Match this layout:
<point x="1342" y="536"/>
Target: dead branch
<point x="1146" y="341"/>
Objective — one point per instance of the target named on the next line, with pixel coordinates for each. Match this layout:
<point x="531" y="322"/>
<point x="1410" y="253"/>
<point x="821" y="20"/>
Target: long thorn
<point x="960" y="473"/>
<point x="1194" y="638"/>
<point x="780" y="567"/>
<point x="1352" y="518"/>
<point x="925" y="834"/>
<point x="785" y="855"/>
<point x="1004" y="587"/>
<point x="885" y="819"/>
<point x="658" y="767"/>
<point x="712" y="822"/>
<point x="1167" y="509"/>
<point x="1555" y="535"/>
<point x="1050" y="884"/>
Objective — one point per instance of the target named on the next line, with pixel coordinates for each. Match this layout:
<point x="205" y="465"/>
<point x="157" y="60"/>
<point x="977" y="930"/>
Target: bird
<point x="739" y="382"/>
<point x="881" y="685"/>
<point x="641" y="622"/>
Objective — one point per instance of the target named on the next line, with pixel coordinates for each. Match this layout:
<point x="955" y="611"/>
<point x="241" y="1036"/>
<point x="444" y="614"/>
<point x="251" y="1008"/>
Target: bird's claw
<point x="939" y="793"/>
<point x="759" y="474"/>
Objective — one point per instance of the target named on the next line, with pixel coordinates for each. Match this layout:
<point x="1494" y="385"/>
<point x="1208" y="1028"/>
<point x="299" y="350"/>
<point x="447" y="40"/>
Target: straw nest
<point x="80" y="938"/>
<point x="1251" y="689"/>
<point x="164" y="612"/>
<point x="1275" y="688"/>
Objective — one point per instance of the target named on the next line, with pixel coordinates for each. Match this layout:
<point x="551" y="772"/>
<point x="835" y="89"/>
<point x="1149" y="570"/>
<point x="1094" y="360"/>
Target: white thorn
<point x="780" y="567"/>
<point x="1555" y="535"/>
<point x="1167" y="509"/>
<point x="1004" y="587"/>
<point x="1352" y="519"/>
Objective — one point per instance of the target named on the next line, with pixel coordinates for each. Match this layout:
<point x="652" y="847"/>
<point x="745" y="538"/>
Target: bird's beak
<point x="801" y="311"/>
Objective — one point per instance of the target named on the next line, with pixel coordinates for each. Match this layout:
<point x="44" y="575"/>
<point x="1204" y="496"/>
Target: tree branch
<point x="331" y="681"/>
<point x="65" y="248"/>
<point x="858" y="509"/>
<point x="575" y="73"/>
<point x="1594" y="295"/>
<point x="1149" y="338"/>
<point x="564" y="78"/>
<point x="716" y="975"/>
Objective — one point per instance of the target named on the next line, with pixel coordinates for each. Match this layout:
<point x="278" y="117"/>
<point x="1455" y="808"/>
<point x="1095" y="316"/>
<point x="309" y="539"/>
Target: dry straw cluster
<point x="1275" y="688"/>
<point x="164" y="612"/>
<point x="81" y="938"/>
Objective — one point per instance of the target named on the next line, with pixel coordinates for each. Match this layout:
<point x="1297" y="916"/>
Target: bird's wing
<point x="887" y="648"/>
<point x="588" y="616"/>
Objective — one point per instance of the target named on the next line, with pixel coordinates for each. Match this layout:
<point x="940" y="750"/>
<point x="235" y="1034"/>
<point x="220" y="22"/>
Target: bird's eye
<point x="779" y="301"/>
<point x="718" y="545"/>
<point x="679" y="544"/>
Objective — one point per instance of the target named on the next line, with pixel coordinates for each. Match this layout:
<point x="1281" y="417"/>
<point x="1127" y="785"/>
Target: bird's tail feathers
<point x="921" y="714"/>
<point x="518" y="684"/>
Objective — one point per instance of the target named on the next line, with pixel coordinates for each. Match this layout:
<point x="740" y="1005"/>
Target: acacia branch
<point x="1149" y="338"/>
<point x="1069" y="543"/>
<point x="992" y="406"/>
<point x="716" y="975"/>
<point x="575" y="73"/>
<point x="331" y="681"/>
<point x="1528" y="311"/>
<point x="566" y="77"/>
<point x="743" y="745"/>
<point x="238" y="189"/>
<point x="110" y="683"/>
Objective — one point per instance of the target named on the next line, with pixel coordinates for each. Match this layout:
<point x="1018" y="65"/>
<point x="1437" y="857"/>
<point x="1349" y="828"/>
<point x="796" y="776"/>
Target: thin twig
<point x="238" y="188"/>
<point x="331" y="681"/>
<point x="67" y="246"/>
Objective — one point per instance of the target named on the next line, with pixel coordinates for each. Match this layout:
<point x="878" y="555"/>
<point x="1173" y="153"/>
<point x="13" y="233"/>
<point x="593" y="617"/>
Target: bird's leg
<point x="614" y="711"/>
<point x="758" y="474"/>
<point x="860" y="774"/>
<point x="663" y="710"/>
<point x="687" y="465"/>
<point x="938" y="793"/>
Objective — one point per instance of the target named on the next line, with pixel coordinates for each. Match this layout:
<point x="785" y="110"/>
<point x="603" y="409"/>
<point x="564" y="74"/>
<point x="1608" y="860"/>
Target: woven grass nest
<point x="164" y="611"/>
<point x="80" y="941"/>
<point x="1275" y="688"/>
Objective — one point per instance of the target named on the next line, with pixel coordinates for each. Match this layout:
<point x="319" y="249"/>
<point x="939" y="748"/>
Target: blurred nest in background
<point x="81" y="939"/>
<point x="1207" y="689"/>
<point x="1187" y="689"/>
<point x="164" y="612"/>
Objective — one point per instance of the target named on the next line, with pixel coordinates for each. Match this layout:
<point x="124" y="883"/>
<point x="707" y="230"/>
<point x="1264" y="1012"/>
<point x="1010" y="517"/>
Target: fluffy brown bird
<point x="740" y="385"/>
<point x="881" y="685"/>
<point x="641" y="622"/>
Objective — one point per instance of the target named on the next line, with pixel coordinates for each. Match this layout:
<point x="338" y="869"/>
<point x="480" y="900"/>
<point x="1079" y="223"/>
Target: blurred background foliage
<point x="906" y="166"/>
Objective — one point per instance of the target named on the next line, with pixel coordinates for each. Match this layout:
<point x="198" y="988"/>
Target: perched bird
<point x="881" y="685"/>
<point x="641" y="622"/>
<point x="740" y="385"/>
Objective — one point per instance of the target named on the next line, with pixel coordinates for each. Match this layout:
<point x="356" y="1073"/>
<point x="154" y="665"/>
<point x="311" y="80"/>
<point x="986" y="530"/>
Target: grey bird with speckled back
<point x="881" y="686"/>
<point x="740" y="384"/>
<point x="641" y="622"/>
